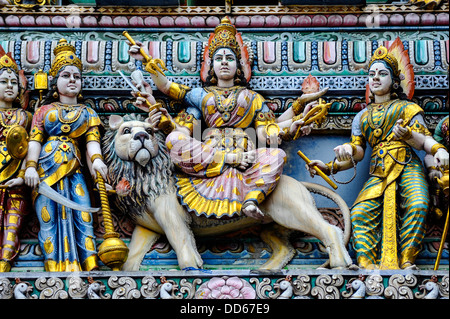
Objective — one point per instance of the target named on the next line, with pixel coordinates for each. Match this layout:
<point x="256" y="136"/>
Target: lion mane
<point x="146" y="182"/>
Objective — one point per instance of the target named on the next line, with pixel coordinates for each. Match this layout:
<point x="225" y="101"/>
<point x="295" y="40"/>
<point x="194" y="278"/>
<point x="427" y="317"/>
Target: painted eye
<point x="126" y="130"/>
<point x="149" y="130"/>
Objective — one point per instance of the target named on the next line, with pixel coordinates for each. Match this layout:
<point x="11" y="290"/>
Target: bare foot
<point x="251" y="210"/>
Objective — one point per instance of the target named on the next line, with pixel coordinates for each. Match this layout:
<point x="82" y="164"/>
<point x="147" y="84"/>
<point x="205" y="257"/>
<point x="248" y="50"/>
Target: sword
<point x="134" y="88"/>
<point x="50" y="193"/>
<point x="165" y="124"/>
<point x="137" y="92"/>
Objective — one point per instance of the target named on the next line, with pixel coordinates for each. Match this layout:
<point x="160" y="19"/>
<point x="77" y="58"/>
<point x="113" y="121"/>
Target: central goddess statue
<point x="226" y="174"/>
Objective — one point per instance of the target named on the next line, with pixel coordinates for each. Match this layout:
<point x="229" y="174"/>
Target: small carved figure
<point x="15" y="123"/>
<point x="388" y="217"/>
<point x="22" y="290"/>
<point x="60" y="128"/>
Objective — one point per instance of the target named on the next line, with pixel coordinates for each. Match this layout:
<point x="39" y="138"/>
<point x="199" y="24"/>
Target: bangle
<point x="332" y="167"/>
<point x="435" y="148"/>
<point x="31" y="164"/>
<point x="21" y="173"/>
<point x="239" y="158"/>
<point x="408" y="135"/>
<point x="95" y="156"/>
<point x="286" y="136"/>
<point x="297" y="107"/>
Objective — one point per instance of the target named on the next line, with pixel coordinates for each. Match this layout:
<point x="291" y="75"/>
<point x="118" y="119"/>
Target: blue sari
<point x="66" y="236"/>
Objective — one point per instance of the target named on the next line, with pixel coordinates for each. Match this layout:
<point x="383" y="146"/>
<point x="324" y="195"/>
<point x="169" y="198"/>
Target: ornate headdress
<point x="398" y="59"/>
<point x="7" y="62"/>
<point x="226" y="36"/>
<point x="382" y="53"/>
<point x="64" y="55"/>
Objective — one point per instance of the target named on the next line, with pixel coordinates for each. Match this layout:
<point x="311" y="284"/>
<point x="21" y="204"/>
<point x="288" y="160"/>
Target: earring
<point x="55" y="94"/>
<point x="213" y="80"/>
<point x="395" y="86"/>
<point x="80" y="96"/>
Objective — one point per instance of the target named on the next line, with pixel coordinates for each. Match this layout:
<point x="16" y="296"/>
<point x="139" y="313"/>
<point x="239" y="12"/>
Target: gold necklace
<point x="60" y="107"/>
<point x="218" y="92"/>
<point x="377" y="127"/>
<point x="9" y="113"/>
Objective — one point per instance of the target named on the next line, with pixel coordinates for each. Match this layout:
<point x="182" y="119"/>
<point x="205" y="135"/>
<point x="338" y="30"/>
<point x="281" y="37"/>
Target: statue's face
<point x="9" y="86"/>
<point x="224" y="64"/>
<point x="69" y="81"/>
<point x="380" y="79"/>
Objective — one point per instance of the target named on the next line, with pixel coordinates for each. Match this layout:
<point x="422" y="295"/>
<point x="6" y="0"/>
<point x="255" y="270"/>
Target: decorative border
<point x="74" y="16"/>
<point x="298" y="284"/>
<point x="268" y="84"/>
<point x="217" y="10"/>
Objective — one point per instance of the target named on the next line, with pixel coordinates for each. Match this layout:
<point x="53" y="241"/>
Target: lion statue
<point x="140" y="167"/>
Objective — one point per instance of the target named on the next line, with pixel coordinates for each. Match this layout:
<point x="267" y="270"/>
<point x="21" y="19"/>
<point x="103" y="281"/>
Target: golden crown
<point x="382" y="53"/>
<point x="224" y="37"/>
<point x="7" y="62"/>
<point x="64" y="55"/>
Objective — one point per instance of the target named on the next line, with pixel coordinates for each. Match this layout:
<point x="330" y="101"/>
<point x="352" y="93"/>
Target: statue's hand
<point x="31" y="177"/>
<point x="99" y="166"/>
<point x="145" y="94"/>
<point x="241" y="162"/>
<point x="134" y="51"/>
<point x="434" y="173"/>
<point x="274" y="139"/>
<point x="343" y="152"/>
<point x="319" y="164"/>
<point x="306" y="98"/>
<point x="298" y="129"/>
<point x="400" y="132"/>
<point x="441" y="158"/>
<point x="15" y="182"/>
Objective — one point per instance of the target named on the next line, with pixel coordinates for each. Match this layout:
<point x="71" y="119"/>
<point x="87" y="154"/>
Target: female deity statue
<point x="14" y="124"/>
<point x="60" y="128"/>
<point x="226" y="174"/>
<point x="394" y="201"/>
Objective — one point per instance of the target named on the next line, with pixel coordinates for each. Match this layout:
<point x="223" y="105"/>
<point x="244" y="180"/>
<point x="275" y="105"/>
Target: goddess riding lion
<point x="140" y="165"/>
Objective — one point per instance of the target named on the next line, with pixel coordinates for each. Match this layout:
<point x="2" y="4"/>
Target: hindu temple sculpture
<point x="62" y="126"/>
<point x="15" y="122"/>
<point x="226" y="181"/>
<point x="438" y="180"/>
<point x="441" y="135"/>
<point x="388" y="216"/>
